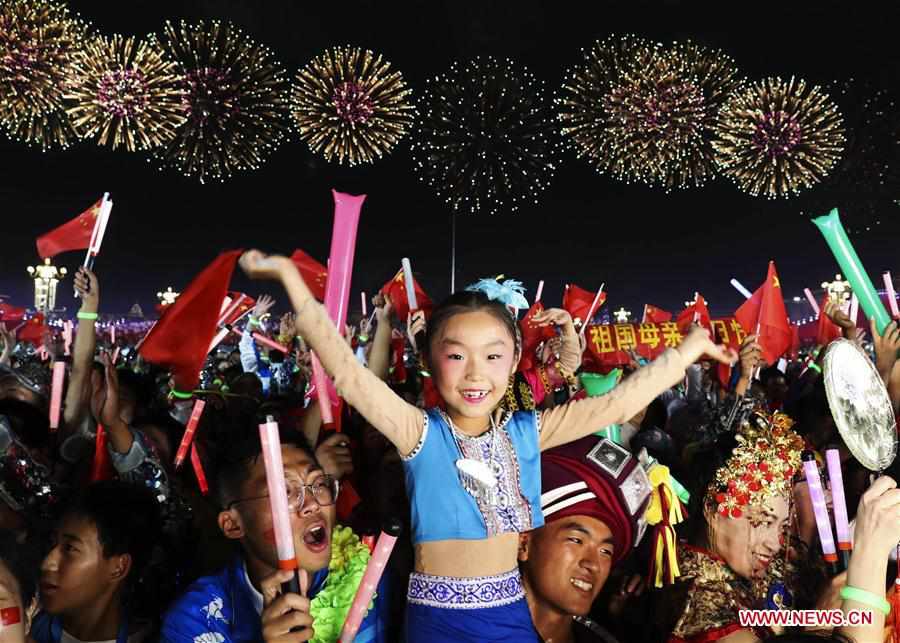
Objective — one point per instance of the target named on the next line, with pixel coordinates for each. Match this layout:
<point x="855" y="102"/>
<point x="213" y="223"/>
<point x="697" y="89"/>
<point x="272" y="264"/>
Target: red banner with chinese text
<point x="609" y="344"/>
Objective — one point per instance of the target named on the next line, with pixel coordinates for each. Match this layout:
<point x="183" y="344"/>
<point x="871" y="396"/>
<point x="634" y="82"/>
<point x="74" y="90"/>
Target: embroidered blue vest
<point x="443" y="510"/>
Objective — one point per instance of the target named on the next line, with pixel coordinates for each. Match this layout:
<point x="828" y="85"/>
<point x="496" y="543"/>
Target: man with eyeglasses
<point x="233" y="604"/>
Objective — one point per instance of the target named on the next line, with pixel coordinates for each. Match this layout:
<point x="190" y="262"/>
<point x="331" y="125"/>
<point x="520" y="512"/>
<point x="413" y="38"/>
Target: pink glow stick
<point x="115" y="355"/>
<point x="891" y="295"/>
<point x="320" y="380"/>
<point x="112" y="333"/>
<point x="68" y="329"/>
<point x="374" y="571"/>
<point x="854" y="308"/>
<point x="540" y="291"/>
<point x="281" y="518"/>
<point x="836" y="479"/>
<point x="188" y="437"/>
<point x="265" y="341"/>
<point x="362" y="297"/>
<point x="198" y="470"/>
<point x="812" y="300"/>
<point x="817" y="496"/>
<point x="56" y="391"/>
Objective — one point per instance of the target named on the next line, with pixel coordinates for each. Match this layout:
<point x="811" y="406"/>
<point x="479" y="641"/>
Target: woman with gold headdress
<point x="734" y="557"/>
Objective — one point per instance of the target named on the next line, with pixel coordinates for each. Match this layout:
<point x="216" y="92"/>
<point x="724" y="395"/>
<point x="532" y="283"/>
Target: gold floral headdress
<point x="761" y="466"/>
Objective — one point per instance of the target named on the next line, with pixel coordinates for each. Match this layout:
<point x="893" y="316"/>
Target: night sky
<point x="646" y="245"/>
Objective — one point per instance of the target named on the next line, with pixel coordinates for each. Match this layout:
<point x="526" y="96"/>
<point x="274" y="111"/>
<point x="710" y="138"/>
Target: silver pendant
<point x="478" y="480"/>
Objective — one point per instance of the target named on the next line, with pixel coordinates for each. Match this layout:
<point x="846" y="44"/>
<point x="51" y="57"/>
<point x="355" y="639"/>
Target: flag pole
<point x="97" y="234"/>
<point x="591" y="309"/>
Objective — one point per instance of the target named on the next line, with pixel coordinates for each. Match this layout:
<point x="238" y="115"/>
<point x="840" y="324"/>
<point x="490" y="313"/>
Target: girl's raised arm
<point x="398" y="421"/>
<point x="569" y="422"/>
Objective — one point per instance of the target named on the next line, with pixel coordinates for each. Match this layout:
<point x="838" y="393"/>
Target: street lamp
<point x="168" y="297"/>
<point x="46" y="277"/>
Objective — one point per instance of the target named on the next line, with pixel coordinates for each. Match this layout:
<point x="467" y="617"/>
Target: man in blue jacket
<point x="230" y="605"/>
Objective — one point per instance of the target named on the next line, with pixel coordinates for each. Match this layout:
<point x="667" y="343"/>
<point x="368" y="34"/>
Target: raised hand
<point x="698" y="344"/>
<point x="263" y="305"/>
<point x="415" y="323"/>
<point x="257" y="265"/>
<point x="334" y="456"/>
<point x="750" y="356"/>
<point x="836" y="315"/>
<point x="105" y="399"/>
<point x="88" y="289"/>
<point x="285" y="617"/>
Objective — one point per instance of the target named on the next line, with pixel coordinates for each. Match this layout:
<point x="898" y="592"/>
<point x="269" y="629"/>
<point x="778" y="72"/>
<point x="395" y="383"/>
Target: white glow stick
<point x="891" y="295"/>
<point x="223" y="310"/>
<point x="740" y="288"/>
<point x="812" y="300"/>
<point x="410" y="284"/>
<point x="540" y="291"/>
<point x="820" y="510"/>
<point x="362" y="297"/>
<point x="112" y="333"/>
<point x="68" y="328"/>
<point x="854" y="308"/>
<point x="115" y="355"/>
<point x="281" y="517"/>
<point x="56" y="391"/>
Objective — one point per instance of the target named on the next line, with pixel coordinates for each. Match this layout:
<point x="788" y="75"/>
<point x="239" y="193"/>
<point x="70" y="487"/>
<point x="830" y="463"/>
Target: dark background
<point x="646" y="245"/>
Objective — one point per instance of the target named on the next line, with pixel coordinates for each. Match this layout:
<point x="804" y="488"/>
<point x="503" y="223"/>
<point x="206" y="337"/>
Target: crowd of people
<point x="524" y="516"/>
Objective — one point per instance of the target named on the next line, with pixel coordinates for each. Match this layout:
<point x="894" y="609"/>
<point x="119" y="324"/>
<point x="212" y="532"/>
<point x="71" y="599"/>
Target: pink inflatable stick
<point x="56" y="391"/>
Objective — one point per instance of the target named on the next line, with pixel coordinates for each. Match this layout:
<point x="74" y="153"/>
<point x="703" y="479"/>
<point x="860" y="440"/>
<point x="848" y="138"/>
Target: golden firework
<point x="125" y="93"/>
<point x="348" y="105"/>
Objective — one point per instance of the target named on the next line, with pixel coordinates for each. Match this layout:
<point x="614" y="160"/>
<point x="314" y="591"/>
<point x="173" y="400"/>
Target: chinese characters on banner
<point x="609" y="345"/>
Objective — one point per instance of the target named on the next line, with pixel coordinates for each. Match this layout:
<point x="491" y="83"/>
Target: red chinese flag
<point x="313" y="273"/>
<point x="765" y="311"/>
<point x="11" y="314"/>
<point x="396" y="290"/>
<point x="532" y="335"/>
<point x="695" y="313"/>
<point x="826" y="330"/>
<point x="247" y="303"/>
<point x="398" y="367"/>
<point x="181" y="338"/>
<point x="577" y="301"/>
<point x="654" y="315"/>
<point x="74" y="235"/>
<point x="33" y="330"/>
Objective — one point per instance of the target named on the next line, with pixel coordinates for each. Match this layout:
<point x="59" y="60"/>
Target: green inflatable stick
<point x="833" y="230"/>
<point x="613" y="432"/>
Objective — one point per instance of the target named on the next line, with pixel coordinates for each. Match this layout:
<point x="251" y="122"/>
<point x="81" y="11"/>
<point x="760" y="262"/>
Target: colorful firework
<point x="37" y="43"/>
<point x="236" y="101"/>
<point x="486" y="141"/>
<point x="776" y="137"/>
<point x="125" y="93"/>
<point x="865" y="183"/>
<point x="644" y="112"/>
<point x="348" y="105"/>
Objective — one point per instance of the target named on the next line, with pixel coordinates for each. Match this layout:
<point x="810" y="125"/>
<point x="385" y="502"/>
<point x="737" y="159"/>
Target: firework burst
<point x="37" y="42"/>
<point x="349" y="106"/>
<point x="236" y="101"/>
<point x="125" y="93"/>
<point x="486" y="141"/>
<point x="776" y="137"/>
<point x="644" y="112"/>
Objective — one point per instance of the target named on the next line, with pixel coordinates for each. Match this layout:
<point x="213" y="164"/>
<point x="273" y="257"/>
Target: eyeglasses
<point x="324" y="491"/>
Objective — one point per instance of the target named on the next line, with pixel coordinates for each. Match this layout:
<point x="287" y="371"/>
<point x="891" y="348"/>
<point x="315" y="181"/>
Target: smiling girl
<point x="472" y="471"/>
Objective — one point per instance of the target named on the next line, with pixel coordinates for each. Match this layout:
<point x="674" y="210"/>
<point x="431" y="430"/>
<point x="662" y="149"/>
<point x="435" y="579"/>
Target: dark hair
<point x="468" y="302"/>
<point x="127" y="519"/>
<point x="232" y="435"/>
<point x="770" y="373"/>
<point x="23" y="561"/>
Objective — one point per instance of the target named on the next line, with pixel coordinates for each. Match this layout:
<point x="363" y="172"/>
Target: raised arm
<point x="380" y="355"/>
<point x="77" y="395"/>
<point x="575" y="420"/>
<point x="399" y="421"/>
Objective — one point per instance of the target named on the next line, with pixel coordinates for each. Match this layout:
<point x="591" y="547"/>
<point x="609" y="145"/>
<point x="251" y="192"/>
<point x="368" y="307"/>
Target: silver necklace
<point x="480" y="479"/>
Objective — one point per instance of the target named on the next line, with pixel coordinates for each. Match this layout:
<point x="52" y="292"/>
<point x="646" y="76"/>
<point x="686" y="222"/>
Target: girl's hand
<point x="257" y="265"/>
<point x="837" y="316"/>
<point x="415" y="324"/>
<point x="88" y="288"/>
<point x="751" y="356"/>
<point x="698" y="344"/>
<point x="383" y="308"/>
<point x="555" y="317"/>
